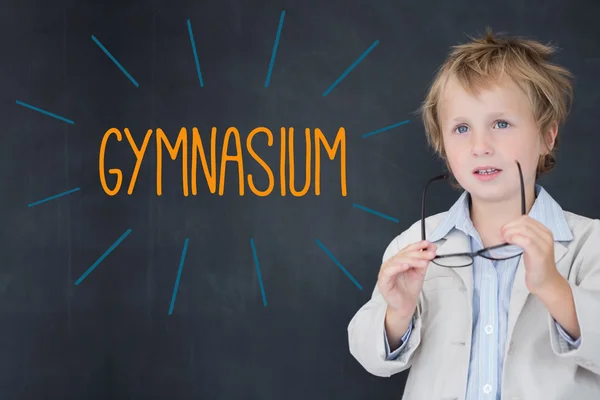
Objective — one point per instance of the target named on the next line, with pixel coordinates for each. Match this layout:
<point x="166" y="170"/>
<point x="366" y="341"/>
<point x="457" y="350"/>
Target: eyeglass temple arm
<point x="523" y="205"/>
<point x="435" y="178"/>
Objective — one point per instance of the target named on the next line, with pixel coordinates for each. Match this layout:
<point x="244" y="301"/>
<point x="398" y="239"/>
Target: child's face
<point x="491" y="130"/>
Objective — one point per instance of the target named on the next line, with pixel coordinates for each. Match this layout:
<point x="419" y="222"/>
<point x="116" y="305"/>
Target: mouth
<point x="486" y="170"/>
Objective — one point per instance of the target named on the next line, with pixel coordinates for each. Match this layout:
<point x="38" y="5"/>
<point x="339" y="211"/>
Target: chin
<point x="489" y="196"/>
<point x="487" y="191"/>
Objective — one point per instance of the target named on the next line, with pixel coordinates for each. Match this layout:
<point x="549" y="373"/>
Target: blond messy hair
<point x="485" y="60"/>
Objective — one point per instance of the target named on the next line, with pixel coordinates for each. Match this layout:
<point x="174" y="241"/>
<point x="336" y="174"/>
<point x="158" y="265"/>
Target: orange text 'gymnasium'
<point x="198" y="151"/>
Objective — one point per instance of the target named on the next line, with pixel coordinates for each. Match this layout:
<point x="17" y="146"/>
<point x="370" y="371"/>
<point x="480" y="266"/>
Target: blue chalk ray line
<point x="53" y="197"/>
<point x="275" y="46"/>
<point x="19" y="102"/>
<point x="385" y="128"/>
<point x="351" y="67"/>
<point x="115" y="61"/>
<point x="189" y="24"/>
<point x="338" y="264"/>
<point x="375" y="212"/>
<point x="106" y="253"/>
<point x="176" y="287"/>
<point x="260" y="282"/>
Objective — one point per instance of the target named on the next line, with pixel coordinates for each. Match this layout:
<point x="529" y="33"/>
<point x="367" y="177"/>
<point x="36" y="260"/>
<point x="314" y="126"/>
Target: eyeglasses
<point x="502" y="251"/>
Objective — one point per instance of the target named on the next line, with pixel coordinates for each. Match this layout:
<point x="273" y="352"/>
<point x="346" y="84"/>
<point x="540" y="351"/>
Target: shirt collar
<point x="544" y="210"/>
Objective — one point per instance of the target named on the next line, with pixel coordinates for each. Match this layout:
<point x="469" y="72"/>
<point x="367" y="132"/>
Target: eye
<point x="461" y="129"/>
<point x="502" y="124"/>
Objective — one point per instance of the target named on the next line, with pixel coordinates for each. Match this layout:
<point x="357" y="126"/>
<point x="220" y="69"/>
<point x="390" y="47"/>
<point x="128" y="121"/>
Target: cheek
<point x="526" y="152"/>
<point x="457" y="159"/>
<point x="455" y="151"/>
<point x="525" y="147"/>
<point x="523" y="142"/>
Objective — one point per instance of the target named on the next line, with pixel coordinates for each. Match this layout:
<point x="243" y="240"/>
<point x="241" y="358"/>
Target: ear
<point x="549" y="137"/>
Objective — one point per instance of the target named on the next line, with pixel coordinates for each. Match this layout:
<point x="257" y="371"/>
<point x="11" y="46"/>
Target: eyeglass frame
<point x="474" y="254"/>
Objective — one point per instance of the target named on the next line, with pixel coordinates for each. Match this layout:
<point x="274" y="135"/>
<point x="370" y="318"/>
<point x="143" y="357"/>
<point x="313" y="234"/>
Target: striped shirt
<point x="492" y="282"/>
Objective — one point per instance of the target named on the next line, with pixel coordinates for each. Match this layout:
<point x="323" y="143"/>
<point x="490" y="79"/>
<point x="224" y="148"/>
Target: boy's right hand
<point x="401" y="277"/>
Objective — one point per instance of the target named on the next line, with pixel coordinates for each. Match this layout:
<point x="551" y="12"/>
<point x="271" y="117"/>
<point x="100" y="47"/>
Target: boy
<point x="496" y="325"/>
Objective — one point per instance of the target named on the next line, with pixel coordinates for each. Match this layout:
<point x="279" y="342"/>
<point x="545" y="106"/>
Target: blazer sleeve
<point x="586" y="293"/>
<point x="390" y="355"/>
<point x="366" y="331"/>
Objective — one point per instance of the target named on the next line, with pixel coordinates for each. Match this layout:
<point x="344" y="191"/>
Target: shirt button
<point x="489" y="329"/>
<point x="487" y="389"/>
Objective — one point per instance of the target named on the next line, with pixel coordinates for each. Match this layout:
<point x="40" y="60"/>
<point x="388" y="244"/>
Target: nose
<point x="481" y="144"/>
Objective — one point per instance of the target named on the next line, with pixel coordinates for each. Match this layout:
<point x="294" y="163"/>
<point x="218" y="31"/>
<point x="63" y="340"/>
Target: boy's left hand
<point x="537" y="242"/>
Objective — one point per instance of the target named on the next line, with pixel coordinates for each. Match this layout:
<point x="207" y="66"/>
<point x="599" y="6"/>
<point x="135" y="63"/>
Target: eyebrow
<point x="497" y="114"/>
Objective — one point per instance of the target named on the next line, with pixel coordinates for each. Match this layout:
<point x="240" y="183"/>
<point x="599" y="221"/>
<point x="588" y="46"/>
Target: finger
<point x="401" y="265"/>
<point x="418" y="252"/>
<point x="517" y="222"/>
<point x="423" y="244"/>
<point x="430" y="248"/>
<point x="419" y="255"/>
<point x="416" y="263"/>
<point x="508" y="232"/>
<point x="520" y="228"/>
<point x="528" y="224"/>
<point x="414" y="251"/>
<point x="511" y="224"/>
<point x="531" y="243"/>
<point x="389" y="273"/>
<point x="525" y="242"/>
<point x="428" y="252"/>
<point x="414" y="258"/>
<point x="540" y="229"/>
<point x="528" y="234"/>
<point x="516" y="236"/>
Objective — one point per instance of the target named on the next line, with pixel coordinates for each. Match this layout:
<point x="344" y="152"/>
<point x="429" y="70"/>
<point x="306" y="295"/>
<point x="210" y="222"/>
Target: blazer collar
<point x="545" y="210"/>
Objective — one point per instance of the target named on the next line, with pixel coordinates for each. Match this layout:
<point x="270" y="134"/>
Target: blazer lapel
<point x="458" y="242"/>
<point x="520" y="293"/>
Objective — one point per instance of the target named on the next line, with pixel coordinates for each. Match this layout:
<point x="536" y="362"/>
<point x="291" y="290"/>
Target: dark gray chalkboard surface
<point x="216" y="295"/>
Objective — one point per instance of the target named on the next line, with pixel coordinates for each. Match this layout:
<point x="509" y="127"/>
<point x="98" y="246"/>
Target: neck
<point x="488" y="217"/>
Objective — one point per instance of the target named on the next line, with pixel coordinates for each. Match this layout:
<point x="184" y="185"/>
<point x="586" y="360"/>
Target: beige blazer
<point x="538" y="363"/>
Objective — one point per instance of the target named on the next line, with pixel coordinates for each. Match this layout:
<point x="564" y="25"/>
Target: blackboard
<point x="215" y="295"/>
